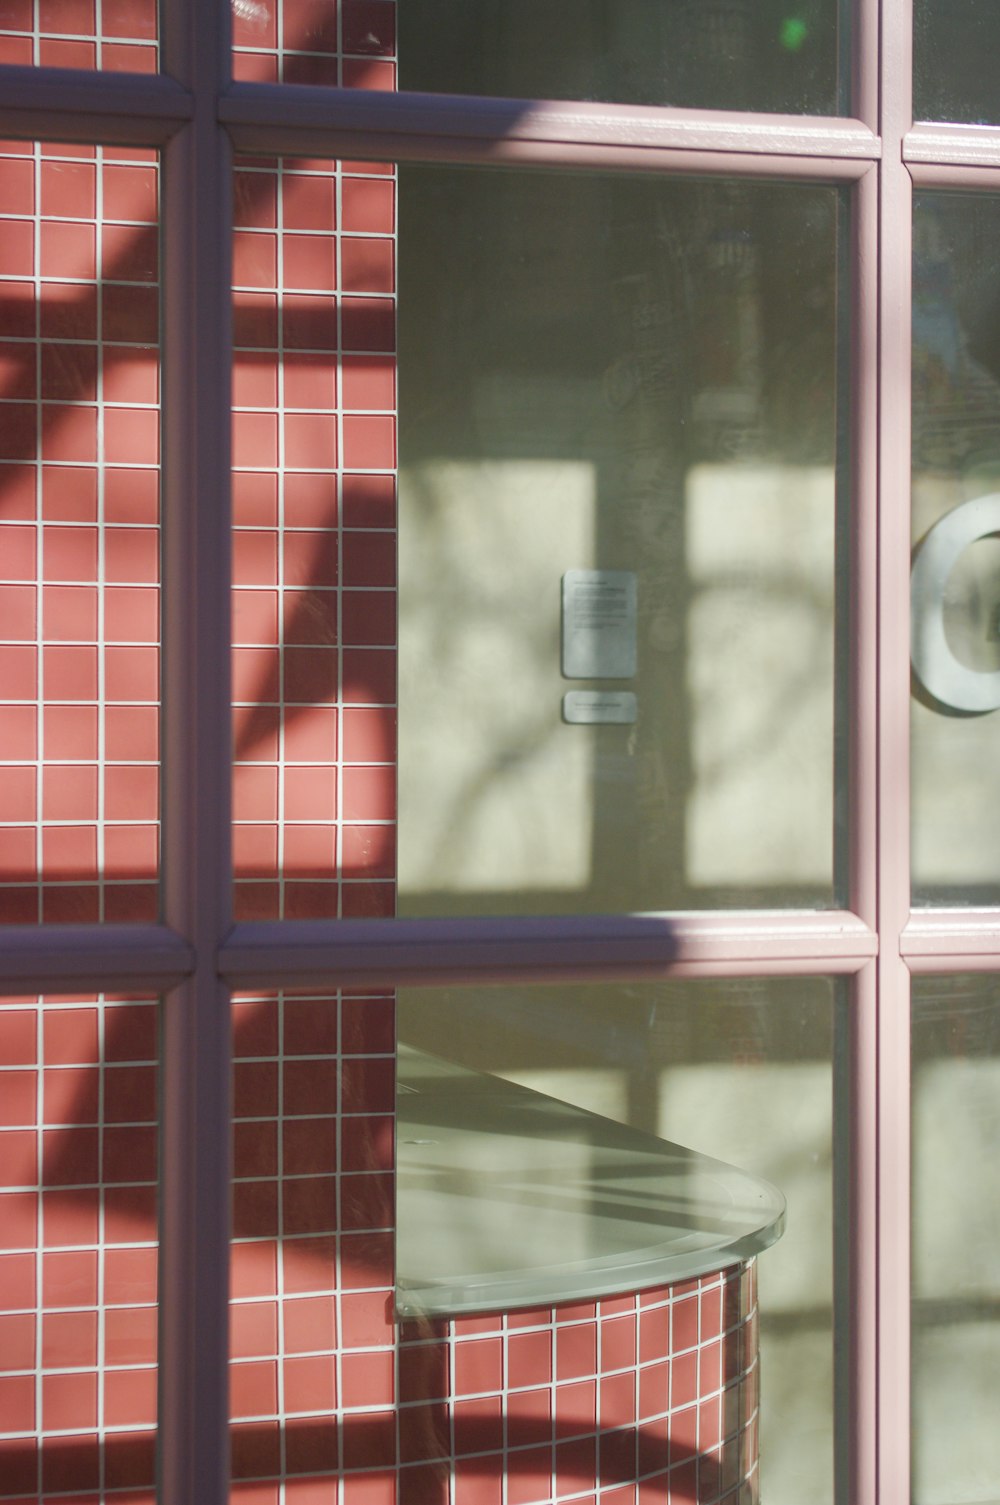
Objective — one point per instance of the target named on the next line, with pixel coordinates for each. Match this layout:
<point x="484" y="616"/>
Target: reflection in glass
<point x="956" y="1231"/>
<point x="954" y="60"/>
<point x="721" y="54"/>
<point x="956" y="572"/>
<point x="742" y="1071"/>
<point x="635" y="379"/>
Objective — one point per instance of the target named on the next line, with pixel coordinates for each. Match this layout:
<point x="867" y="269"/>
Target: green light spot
<point x="793" y="33"/>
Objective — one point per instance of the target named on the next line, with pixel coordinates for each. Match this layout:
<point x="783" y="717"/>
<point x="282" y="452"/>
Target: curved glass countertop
<point x="506" y="1198"/>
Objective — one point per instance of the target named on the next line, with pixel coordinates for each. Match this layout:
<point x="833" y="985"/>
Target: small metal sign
<point x="599" y="624"/>
<point x="599" y="707"/>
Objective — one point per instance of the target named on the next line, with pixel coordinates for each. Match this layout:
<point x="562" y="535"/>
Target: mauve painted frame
<point x="198" y="116"/>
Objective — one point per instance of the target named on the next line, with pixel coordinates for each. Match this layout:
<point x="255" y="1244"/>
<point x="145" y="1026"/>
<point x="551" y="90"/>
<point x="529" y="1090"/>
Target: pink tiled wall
<point x="119" y="35"/>
<point x="79" y="471"/>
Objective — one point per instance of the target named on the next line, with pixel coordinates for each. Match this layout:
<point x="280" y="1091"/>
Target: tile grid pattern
<point x="116" y="35"/>
<point x="351" y="44"/>
<point x="314" y="545"/>
<point x="78" y="1210"/>
<point x="79" y="604"/>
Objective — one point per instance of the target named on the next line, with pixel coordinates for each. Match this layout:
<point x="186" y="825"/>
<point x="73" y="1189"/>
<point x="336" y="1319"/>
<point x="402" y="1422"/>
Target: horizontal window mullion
<point x="943" y="144"/>
<point x="55" y="958"/>
<point x="959" y="940"/>
<point x="387" y="952"/>
<point x="63" y="104"/>
<point x="403" y="126"/>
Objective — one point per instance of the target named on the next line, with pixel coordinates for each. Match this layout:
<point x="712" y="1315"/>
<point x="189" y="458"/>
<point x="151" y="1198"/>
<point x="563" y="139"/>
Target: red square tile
<point x="255" y="259"/>
<point x="253" y="1329"/>
<point x="18" y="1035"/>
<point x="529" y="1359"/>
<point x="309" y="1264"/>
<point x="70" y="1217"/>
<point x="479" y="1366"/>
<point x="255" y="380"/>
<point x="69" y="1279"/>
<point x="130" y="1338"/>
<point x="256" y="1450"/>
<point x="70" y="732"/>
<point x="132" y="496"/>
<point x="369" y="559"/>
<point x="255" y="1089"/>
<point x="369" y="501"/>
<point x="310" y="1384"/>
<point x="18" y="612"/>
<point x="255" y="320"/>
<point x="368" y="323"/>
<point x="255" y="441"/>
<point x="71" y="1095"/>
<point x="131" y="793"/>
<point x="310" y="559"/>
<point x="130" y="1276"/>
<point x="311" y="502"/>
<point x="253" y="1388"/>
<point x="683" y="1323"/>
<point x="17" y="1402"/>
<point x="129" y="1213"/>
<point x="310" y="675"/>
<point x="309" y="321"/>
<point x="309" y="1321"/>
<point x="478" y="1483"/>
<point x="310" y="381"/>
<point x="68" y="250"/>
<point x="368" y="1086"/>
<point x="132" y="673"/>
<point x="375" y="1488"/>
<point x="18" y="1157"/>
<point x="368" y="266"/>
<point x="130" y="253"/>
<point x="131" y="436"/>
<point x="308" y="262"/>
<point x="255" y="199"/>
<point x="307" y="201"/>
<point x="21" y="732"/>
<point x="17" y="183"/>
<point x="370" y="1442"/>
<point x="131" y="314"/>
<point x="367" y="1259"/>
<point x="368" y="851"/>
<point x="19" y="1099"/>
<point x="529" y="1417"/>
<point x="576" y="1468"/>
<point x="617" y="1399"/>
<point x="131" y="555"/>
<point x="310" y="1205"/>
<point x="69" y="792"/>
<point x="129" y="1154"/>
<point x="370" y="793"/>
<point x="369" y="381"/>
<point x="654" y="1381"/>
<point x="17" y="1274"/>
<point x="255" y="1150"/>
<point x="70" y="673"/>
<point x="17" y="1341"/>
<point x="69" y="433"/>
<point x="310" y="441"/>
<point x="368" y="1026"/>
<point x="367" y="1319"/>
<point x="69" y="1401"/>
<point x="310" y="1087"/>
<point x="70" y="1036"/>
<point x="368" y="205"/>
<point x="367" y="1379"/>
<point x="129" y="192"/>
<point x="683" y="1379"/>
<point x="367" y="1142"/>
<point x="310" y="735"/>
<point x="369" y="441"/>
<point x="368" y="618"/>
<point x="254" y="1268"/>
<point x="310" y="618"/>
<point x="310" y="1147"/>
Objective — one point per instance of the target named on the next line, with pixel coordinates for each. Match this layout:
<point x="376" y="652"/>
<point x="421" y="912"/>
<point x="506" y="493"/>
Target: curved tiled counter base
<point x="630" y="1400"/>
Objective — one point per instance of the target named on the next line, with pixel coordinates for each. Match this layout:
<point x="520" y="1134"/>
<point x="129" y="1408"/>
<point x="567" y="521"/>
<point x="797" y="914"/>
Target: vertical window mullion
<point x="895" y="279"/>
<point x="197" y="1046"/>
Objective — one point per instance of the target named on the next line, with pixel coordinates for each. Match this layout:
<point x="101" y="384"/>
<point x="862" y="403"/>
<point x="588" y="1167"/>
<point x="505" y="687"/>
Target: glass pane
<point x="954" y="44"/>
<point x="78" y="1247"/>
<point x="79" y="567"/>
<point x="314" y="547"/>
<point x="617" y="543"/>
<point x="956" y="566"/>
<point x="117" y="35"/>
<point x="723" y="54"/>
<point x="956" y="1231"/>
<point x="506" y="1188"/>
